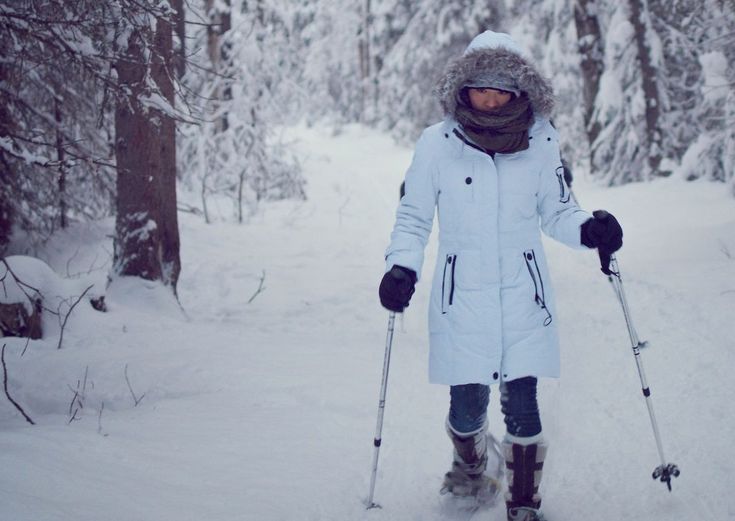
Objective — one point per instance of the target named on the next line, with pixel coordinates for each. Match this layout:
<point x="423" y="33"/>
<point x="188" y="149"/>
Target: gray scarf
<point x="504" y="130"/>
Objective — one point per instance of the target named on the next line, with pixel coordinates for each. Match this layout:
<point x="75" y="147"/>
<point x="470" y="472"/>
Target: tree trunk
<point x="147" y="237"/>
<point x="162" y="71"/>
<point x="6" y="173"/>
<point x="220" y="22"/>
<point x="225" y="52"/>
<point x="639" y="18"/>
<point x="589" y="43"/>
<point x="62" y="171"/>
<point x="180" y="53"/>
<point x="363" y="49"/>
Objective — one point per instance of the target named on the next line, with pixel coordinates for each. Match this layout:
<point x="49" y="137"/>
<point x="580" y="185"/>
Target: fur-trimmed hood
<point x="496" y="52"/>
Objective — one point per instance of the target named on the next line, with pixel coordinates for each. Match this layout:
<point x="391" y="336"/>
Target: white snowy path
<point x="266" y="410"/>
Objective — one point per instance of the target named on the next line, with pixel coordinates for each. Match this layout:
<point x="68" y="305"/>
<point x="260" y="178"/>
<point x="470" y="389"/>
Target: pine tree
<point x="699" y="59"/>
<point x="590" y="48"/>
<point x="649" y="61"/>
<point x="146" y="229"/>
<point x="244" y="85"/>
<point x="55" y="146"/>
<point x="621" y="151"/>
<point x="410" y="69"/>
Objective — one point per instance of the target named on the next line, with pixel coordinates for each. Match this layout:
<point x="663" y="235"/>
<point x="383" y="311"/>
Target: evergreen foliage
<point x="244" y="87"/>
<point x="645" y="88"/>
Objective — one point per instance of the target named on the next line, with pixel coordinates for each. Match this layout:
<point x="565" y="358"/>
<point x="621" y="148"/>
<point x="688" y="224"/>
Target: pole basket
<point x="664" y="473"/>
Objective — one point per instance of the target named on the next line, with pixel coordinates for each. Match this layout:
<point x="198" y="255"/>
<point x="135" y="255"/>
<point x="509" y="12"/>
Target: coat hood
<point x="497" y="54"/>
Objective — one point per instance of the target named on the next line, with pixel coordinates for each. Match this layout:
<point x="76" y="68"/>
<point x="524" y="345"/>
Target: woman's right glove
<point x="396" y="288"/>
<point x="603" y="232"/>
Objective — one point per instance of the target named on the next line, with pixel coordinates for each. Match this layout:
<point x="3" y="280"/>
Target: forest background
<point x="109" y="107"/>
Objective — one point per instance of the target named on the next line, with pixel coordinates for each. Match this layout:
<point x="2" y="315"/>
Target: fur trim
<point x="505" y="61"/>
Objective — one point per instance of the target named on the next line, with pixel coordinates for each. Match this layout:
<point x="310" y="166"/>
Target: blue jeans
<point x="468" y="407"/>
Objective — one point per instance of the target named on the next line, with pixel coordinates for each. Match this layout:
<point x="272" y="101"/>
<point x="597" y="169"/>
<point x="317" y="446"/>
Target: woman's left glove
<point x="603" y="232"/>
<point x="396" y="288"/>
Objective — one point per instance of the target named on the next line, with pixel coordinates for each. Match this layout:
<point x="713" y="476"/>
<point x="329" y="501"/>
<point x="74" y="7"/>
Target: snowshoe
<point x="524" y="463"/>
<point x="476" y="488"/>
<point x="477" y="468"/>
<point x="525" y="514"/>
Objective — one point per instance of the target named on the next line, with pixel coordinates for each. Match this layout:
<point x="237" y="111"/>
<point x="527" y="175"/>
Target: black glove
<point x="396" y="288"/>
<point x="603" y="232"/>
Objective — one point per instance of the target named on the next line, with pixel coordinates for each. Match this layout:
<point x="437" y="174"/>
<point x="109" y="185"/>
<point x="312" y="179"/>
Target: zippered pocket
<point x="450" y="264"/>
<point x="529" y="256"/>
<point x="564" y="193"/>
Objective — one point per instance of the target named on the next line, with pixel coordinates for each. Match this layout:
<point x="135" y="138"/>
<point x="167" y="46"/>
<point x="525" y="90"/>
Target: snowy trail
<point x="266" y="410"/>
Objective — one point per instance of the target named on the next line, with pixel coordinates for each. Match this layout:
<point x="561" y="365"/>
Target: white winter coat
<point x="491" y="312"/>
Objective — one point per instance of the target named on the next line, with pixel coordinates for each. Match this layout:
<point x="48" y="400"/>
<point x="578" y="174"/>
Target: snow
<point x="266" y="409"/>
<point x="24" y="279"/>
<point x="714" y="67"/>
<point x="696" y="156"/>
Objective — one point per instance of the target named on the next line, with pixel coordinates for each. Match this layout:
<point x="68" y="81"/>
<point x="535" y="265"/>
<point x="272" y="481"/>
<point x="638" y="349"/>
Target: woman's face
<point x="488" y="99"/>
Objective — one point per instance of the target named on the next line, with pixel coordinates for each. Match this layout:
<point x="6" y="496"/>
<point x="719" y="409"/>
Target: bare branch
<point x="183" y="207"/>
<point x="7" y="393"/>
<point x="28" y="341"/>
<point x="77" y="401"/>
<point x="725" y="250"/>
<point x="99" y="420"/>
<point x="19" y="282"/>
<point x="66" y="317"/>
<point x="92" y="267"/>
<point x="260" y="288"/>
<point x="136" y="400"/>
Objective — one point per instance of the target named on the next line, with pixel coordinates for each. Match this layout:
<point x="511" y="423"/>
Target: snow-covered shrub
<point x="46" y="297"/>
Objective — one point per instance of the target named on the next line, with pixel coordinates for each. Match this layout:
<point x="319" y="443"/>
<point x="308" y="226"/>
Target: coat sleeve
<point x="415" y="214"/>
<point x="561" y="217"/>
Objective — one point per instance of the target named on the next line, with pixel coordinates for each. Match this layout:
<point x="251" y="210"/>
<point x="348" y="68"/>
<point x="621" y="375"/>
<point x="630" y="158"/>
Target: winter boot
<point x="524" y="463"/>
<point x="469" y="476"/>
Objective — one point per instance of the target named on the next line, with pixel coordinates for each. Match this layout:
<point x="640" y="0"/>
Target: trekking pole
<point x="381" y="408"/>
<point x="665" y="471"/>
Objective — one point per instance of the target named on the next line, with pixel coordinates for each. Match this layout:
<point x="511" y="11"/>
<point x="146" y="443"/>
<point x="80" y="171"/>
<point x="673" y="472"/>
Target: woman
<point x="493" y="173"/>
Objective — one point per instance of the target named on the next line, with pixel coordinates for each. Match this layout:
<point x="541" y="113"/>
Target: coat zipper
<point x="563" y="197"/>
<point x="471" y="144"/>
<point x="538" y="283"/>
<point x="451" y="262"/>
<point x="451" y="287"/>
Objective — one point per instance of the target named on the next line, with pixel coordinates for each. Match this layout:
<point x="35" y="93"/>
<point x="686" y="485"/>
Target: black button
<point x="529" y="256"/>
<point x="449" y="260"/>
<point x="468" y="180"/>
<point x="495" y="375"/>
<point x="446" y="135"/>
<point x="548" y="139"/>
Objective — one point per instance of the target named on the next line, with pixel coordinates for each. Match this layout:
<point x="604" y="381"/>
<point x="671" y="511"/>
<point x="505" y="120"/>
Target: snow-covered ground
<point x="265" y="410"/>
